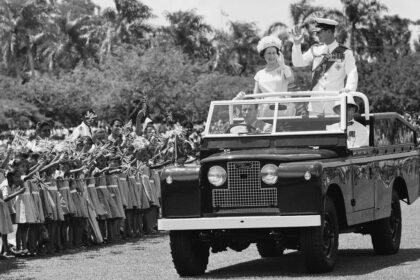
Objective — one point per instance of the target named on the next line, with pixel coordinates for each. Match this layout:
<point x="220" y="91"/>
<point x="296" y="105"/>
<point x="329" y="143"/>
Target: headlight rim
<point x="274" y="174"/>
<point x="223" y="176"/>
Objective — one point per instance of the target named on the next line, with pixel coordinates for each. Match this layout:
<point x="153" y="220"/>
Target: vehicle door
<point x="363" y="184"/>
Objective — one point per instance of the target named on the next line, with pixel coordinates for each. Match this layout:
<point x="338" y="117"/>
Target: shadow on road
<point x="7" y="265"/>
<point x="92" y="250"/>
<point x="351" y="262"/>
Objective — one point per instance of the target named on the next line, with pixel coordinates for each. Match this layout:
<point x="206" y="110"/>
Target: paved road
<point x="149" y="258"/>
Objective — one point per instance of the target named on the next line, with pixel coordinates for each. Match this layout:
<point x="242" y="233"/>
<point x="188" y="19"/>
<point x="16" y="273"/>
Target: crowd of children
<point x="84" y="190"/>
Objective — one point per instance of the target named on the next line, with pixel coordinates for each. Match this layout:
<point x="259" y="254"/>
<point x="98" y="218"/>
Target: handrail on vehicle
<point x="317" y="94"/>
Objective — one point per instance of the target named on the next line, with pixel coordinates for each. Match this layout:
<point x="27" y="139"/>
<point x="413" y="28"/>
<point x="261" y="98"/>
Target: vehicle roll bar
<point x="314" y="93"/>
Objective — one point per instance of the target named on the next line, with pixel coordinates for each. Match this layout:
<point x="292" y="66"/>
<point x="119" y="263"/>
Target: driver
<point x="251" y="123"/>
<point x="357" y="133"/>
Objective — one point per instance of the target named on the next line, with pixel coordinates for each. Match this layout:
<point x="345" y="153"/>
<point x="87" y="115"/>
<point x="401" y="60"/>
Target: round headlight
<point x="217" y="175"/>
<point x="269" y="174"/>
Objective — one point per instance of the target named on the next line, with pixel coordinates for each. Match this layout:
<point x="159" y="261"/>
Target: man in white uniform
<point x="357" y="134"/>
<point x="331" y="62"/>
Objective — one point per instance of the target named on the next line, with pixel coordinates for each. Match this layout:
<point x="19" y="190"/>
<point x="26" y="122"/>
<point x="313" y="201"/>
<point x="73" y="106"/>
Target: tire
<point x="269" y="249"/>
<point x="319" y="245"/>
<point x="189" y="254"/>
<point x="386" y="233"/>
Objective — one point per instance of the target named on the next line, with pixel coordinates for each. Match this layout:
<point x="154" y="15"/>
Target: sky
<point x="218" y="13"/>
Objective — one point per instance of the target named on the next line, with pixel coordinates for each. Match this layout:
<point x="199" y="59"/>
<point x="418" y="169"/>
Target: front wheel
<point x="319" y="245"/>
<point x="190" y="255"/>
<point x="386" y="233"/>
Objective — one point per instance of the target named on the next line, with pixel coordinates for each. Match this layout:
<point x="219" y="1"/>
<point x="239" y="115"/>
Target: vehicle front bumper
<point x="240" y="222"/>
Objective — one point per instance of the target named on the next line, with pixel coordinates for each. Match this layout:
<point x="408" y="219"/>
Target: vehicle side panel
<point x="366" y="182"/>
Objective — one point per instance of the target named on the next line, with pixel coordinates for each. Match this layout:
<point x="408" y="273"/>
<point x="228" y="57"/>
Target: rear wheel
<point x="319" y="245"/>
<point x="269" y="249"/>
<point x="386" y="233"/>
<point x="190" y="255"/>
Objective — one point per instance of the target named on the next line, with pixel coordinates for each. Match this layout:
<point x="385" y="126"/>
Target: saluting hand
<point x="297" y="35"/>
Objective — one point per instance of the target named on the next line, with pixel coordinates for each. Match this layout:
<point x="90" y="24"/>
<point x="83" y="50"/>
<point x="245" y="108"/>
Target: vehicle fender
<point x="181" y="173"/>
<point x="181" y="192"/>
<point x="335" y="193"/>
<point x="400" y="186"/>
<point x="299" y="169"/>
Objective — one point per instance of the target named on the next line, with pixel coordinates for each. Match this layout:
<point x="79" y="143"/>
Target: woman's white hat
<point x="269" y="41"/>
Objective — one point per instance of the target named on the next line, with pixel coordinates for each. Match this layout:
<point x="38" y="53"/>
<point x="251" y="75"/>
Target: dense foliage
<point x="59" y="58"/>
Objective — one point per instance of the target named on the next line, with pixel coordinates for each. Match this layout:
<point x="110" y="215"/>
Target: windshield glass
<point x="276" y="116"/>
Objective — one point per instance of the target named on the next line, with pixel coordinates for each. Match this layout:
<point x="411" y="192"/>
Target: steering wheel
<point x="250" y="128"/>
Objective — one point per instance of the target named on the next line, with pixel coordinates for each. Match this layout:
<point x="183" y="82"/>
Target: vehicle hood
<point x="283" y="155"/>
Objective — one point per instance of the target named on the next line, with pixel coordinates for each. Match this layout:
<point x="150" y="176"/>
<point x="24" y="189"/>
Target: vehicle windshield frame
<point x="276" y="101"/>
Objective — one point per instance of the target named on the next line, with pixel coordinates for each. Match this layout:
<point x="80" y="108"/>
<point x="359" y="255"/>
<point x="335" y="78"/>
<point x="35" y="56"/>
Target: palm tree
<point x="303" y="11"/>
<point x="235" y="51"/>
<point x="21" y="22"/>
<point x="127" y="24"/>
<point x="278" y="29"/>
<point x="361" y="15"/>
<point x="243" y="51"/>
<point x="189" y="31"/>
<point x="68" y="41"/>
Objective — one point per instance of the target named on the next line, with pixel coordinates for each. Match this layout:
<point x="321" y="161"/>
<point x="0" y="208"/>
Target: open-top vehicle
<point x="291" y="178"/>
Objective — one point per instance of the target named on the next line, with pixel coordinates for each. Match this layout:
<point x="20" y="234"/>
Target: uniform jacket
<point x="357" y="134"/>
<point x="334" y="78"/>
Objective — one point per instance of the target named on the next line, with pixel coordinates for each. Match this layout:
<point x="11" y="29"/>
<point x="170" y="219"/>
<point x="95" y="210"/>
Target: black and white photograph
<point x="209" y="139"/>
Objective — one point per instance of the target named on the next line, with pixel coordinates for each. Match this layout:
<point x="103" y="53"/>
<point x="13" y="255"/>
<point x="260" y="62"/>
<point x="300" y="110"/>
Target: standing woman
<point x="276" y="75"/>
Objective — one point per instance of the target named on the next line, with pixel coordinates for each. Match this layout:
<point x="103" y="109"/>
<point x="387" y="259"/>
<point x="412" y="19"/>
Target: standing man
<point x="84" y="129"/>
<point x="331" y="62"/>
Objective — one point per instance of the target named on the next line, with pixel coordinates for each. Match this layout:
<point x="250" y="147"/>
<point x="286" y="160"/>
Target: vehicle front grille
<point x="244" y="187"/>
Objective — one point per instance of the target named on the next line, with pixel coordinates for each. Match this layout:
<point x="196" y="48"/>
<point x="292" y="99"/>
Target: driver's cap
<point x="350" y="102"/>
